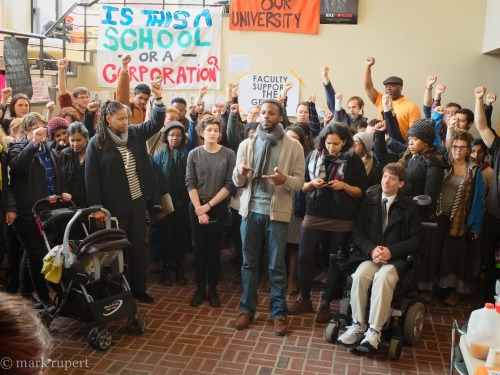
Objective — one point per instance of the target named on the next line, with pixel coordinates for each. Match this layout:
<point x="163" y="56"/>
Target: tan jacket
<point x="291" y="163"/>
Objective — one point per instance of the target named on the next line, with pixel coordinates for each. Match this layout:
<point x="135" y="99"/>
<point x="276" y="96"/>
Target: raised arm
<point x="61" y="77"/>
<point x="339" y="113"/>
<point x="123" y="85"/>
<point x="314" y="123"/>
<point x="232" y="127"/>
<point x="488" y="108"/>
<point x="369" y="89"/>
<point x="390" y="120"/>
<point x="329" y="90"/>
<point x="6" y="93"/>
<point x="431" y="80"/>
<point x="481" y="124"/>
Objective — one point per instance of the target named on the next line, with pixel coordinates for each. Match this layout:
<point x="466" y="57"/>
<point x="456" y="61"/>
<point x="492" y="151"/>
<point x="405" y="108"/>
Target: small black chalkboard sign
<point x="16" y="65"/>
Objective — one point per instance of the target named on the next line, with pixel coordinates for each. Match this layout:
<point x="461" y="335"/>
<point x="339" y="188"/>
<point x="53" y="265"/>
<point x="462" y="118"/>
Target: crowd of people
<point x="295" y="192"/>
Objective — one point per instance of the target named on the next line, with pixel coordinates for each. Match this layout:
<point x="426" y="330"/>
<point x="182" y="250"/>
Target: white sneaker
<point x="353" y="335"/>
<point x="370" y="342"/>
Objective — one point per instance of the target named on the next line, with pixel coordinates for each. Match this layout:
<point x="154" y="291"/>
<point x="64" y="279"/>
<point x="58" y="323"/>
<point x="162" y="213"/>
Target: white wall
<point x="491" y="41"/>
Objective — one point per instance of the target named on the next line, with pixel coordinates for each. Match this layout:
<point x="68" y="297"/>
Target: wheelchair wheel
<point x="414" y="323"/>
<point x="345" y="310"/>
<point x="395" y="348"/>
<point x="331" y="332"/>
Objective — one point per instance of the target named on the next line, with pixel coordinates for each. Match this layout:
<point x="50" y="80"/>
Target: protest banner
<point x="17" y="69"/>
<point x="253" y="89"/>
<point x="183" y="45"/>
<point x="289" y="16"/>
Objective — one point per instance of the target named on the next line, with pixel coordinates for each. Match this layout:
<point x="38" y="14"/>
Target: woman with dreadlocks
<point x="120" y="178"/>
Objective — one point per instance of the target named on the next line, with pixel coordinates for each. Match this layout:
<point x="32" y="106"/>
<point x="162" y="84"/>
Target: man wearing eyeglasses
<point x="80" y="99"/>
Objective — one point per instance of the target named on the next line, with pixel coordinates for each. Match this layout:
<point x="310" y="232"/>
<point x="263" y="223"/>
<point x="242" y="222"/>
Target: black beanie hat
<point x="423" y="130"/>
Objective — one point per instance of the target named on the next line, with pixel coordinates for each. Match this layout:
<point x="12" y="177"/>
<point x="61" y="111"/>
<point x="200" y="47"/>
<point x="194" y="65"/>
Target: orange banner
<point x="288" y="16"/>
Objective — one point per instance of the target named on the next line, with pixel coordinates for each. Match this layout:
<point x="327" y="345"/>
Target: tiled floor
<point x="181" y="339"/>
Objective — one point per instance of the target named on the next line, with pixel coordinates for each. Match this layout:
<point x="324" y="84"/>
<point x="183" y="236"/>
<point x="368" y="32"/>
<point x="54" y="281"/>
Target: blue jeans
<point x="254" y="228"/>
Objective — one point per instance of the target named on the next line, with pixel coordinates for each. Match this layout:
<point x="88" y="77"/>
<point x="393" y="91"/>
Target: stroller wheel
<point x="395" y="348"/>
<point x="136" y="324"/>
<point x="414" y="323"/>
<point x="331" y="332"/>
<point x="92" y="336"/>
<point x="104" y="339"/>
<point x="45" y="318"/>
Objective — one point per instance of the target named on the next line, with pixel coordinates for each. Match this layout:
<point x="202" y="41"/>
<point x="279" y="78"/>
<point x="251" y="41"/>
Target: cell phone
<point x="212" y="221"/>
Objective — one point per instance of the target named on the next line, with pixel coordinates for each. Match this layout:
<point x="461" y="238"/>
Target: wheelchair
<point x="407" y="315"/>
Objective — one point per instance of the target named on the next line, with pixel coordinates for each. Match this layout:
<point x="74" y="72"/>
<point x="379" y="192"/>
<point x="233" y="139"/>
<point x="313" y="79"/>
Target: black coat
<point x="72" y="176"/>
<point x="337" y="204"/>
<point x="28" y="175"/>
<point x="425" y="171"/>
<point x="7" y="201"/>
<point x="403" y="234"/>
<point x="105" y="175"/>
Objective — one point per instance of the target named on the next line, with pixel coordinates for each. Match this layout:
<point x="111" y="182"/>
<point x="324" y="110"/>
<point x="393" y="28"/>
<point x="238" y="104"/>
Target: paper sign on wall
<point x="239" y="63"/>
<point x="40" y="90"/>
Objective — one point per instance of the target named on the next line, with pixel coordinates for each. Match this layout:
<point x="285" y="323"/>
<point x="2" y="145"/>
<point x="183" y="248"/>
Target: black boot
<point x="179" y="276"/>
<point x="165" y="276"/>
<point x="199" y="296"/>
<point x="213" y="298"/>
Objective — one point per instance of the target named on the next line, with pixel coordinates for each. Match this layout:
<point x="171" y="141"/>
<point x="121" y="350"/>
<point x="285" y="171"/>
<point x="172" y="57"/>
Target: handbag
<point x="166" y="204"/>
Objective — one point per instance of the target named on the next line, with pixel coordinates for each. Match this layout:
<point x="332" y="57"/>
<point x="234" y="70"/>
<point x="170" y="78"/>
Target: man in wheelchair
<point x="388" y="229"/>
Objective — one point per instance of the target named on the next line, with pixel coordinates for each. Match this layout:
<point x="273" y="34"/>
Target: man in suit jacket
<point x="388" y="229"/>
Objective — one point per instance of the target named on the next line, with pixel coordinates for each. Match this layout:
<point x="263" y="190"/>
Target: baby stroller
<point x="92" y="289"/>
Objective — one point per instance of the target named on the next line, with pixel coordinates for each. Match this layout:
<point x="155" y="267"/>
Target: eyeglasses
<point x="174" y="135"/>
<point x="356" y="143"/>
<point x="459" y="148"/>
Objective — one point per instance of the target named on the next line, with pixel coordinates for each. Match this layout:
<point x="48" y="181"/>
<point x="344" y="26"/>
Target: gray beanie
<point x="423" y="130"/>
<point x="367" y="139"/>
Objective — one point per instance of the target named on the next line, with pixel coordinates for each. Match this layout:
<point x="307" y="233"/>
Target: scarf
<point x="118" y="139"/>
<point x="368" y="161"/>
<point x="317" y="161"/>
<point x="174" y="170"/>
<point x="262" y="163"/>
<point x="128" y="161"/>
<point x="459" y="210"/>
<point x="46" y="161"/>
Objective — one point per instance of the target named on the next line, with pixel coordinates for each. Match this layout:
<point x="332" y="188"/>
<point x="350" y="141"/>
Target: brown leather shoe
<point x="280" y="327"/>
<point x="243" y="320"/>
